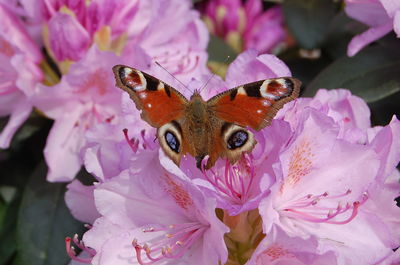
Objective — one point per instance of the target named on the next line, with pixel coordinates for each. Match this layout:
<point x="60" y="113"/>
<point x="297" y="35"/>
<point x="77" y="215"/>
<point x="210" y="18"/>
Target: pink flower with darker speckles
<point x="168" y="221"/>
<point x="315" y="189"/>
<point x="323" y="188"/>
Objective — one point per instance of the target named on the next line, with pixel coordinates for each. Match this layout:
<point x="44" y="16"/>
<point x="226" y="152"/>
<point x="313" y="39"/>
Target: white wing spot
<point x="266" y="103"/>
<point x="241" y="91"/>
<point x="160" y="86"/>
<point x="138" y="88"/>
<point x="127" y="71"/>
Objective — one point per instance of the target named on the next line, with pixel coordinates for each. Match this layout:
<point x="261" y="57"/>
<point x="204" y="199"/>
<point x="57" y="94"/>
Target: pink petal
<point x="80" y="201"/>
<point x="253" y="8"/>
<point x="93" y="165"/>
<point x="277" y="66"/>
<point x="100" y="232"/>
<point x="18" y="117"/>
<point x="68" y="38"/>
<point x="111" y="198"/>
<point x="365" y="38"/>
<point x="391" y="6"/>
<point x="279" y="248"/>
<point x="396" y="23"/>
<point x="11" y="27"/>
<point x="248" y="67"/>
<point x="350" y="241"/>
<point x="387" y="145"/>
<point x="383" y="213"/>
<point x="63" y="146"/>
<point x="343" y="104"/>
<point x="369" y="12"/>
<point x="267" y="32"/>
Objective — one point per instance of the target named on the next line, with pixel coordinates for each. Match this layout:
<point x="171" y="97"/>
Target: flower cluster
<point x="311" y="191"/>
<point x="318" y="188"/>
<point x="86" y="41"/>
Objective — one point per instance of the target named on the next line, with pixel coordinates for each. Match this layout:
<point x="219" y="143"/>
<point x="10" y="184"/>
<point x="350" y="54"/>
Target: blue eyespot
<point x="237" y="139"/>
<point x="172" y="141"/>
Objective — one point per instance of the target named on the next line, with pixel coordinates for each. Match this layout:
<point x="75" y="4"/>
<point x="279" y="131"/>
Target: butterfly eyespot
<point x="172" y="141"/>
<point x="237" y="139"/>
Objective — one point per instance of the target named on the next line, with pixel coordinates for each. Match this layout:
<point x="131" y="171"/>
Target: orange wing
<point x="255" y="104"/>
<point x="159" y="102"/>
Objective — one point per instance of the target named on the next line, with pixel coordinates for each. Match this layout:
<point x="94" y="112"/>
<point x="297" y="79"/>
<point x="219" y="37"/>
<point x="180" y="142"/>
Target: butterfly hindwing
<point x="159" y="102"/>
<point x="255" y="104"/>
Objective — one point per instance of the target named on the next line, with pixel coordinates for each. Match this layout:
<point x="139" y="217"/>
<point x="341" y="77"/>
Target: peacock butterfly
<point x="217" y="127"/>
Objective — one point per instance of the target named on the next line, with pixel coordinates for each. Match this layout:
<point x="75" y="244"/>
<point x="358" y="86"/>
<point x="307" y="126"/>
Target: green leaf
<point x="43" y="222"/>
<point x="308" y="20"/>
<point x="371" y="74"/>
<point x="8" y="221"/>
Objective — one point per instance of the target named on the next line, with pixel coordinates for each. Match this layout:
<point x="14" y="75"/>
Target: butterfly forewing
<point x="159" y="102"/>
<point x="255" y="104"/>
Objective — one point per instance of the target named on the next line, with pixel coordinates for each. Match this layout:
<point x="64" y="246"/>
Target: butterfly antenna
<point x="214" y="74"/>
<point x="185" y="86"/>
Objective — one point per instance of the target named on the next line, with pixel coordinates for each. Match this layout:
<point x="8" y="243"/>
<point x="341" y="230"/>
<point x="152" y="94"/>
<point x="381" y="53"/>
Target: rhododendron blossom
<point x="97" y="36"/>
<point x="181" y="226"/>
<point x="318" y="185"/>
<point x="307" y="194"/>
<point x="245" y="26"/>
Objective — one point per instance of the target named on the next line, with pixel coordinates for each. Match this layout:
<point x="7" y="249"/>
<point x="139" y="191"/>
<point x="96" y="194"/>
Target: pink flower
<point x="320" y="176"/>
<point x="279" y="248"/>
<point x="183" y="50"/>
<point x="85" y="97"/>
<point x="350" y="113"/>
<point x="69" y="40"/>
<point x="322" y="185"/>
<point x="382" y="16"/>
<point x="100" y="21"/>
<point x="110" y="149"/>
<point x="120" y="25"/>
<point x="80" y="95"/>
<point x="245" y="26"/>
<point x="19" y="73"/>
<point x="181" y="226"/>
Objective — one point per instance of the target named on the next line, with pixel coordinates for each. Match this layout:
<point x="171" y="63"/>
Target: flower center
<point x="235" y="182"/>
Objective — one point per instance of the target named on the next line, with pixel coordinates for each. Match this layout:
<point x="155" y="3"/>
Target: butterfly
<point x="217" y="127"/>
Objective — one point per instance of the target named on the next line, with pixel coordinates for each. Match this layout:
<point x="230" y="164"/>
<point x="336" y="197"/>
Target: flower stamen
<point x="133" y="143"/>
<point x="236" y="180"/>
<point x="71" y="250"/>
<point x="307" y="208"/>
<point x="173" y="244"/>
